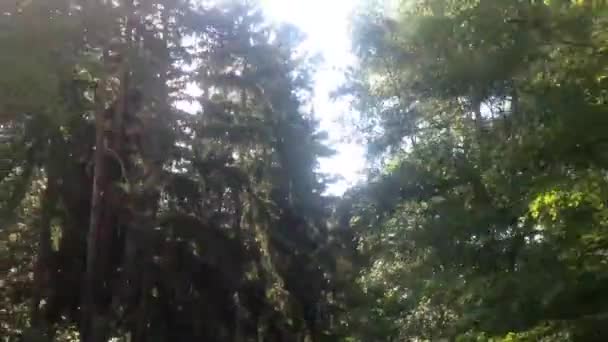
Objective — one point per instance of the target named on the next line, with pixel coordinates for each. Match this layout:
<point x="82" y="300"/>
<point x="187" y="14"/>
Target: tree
<point x="487" y="118"/>
<point x="152" y="223"/>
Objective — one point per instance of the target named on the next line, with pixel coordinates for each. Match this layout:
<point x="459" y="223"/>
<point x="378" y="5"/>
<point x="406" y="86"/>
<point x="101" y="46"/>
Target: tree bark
<point x="89" y="330"/>
<point x="95" y="323"/>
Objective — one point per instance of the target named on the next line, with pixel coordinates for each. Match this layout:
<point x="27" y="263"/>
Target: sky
<point x="326" y="25"/>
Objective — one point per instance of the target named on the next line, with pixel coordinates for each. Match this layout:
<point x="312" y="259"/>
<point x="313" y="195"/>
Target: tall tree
<point x="153" y="223"/>
<point x="482" y="222"/>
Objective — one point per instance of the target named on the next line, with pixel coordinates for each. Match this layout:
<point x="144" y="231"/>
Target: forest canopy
<point x="483" y="215"/>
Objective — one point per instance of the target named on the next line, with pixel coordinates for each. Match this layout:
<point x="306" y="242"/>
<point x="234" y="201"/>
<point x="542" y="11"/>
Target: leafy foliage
<point x="484" y="221"/>
<point x="124" y="217"/>
<point x="207" y="225"/>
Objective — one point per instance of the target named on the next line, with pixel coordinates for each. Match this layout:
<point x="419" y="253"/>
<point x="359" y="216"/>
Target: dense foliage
<point x="485" y="217"/>
<point x="126" y="217"/>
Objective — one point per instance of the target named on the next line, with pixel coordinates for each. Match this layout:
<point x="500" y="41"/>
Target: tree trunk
<point x="141" y="316"/>
<point x="95" y="323"/>
<point x="89" y="330"/>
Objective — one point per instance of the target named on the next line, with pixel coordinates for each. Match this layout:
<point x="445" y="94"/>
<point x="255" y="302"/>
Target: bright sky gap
<point x="326" y="25"/>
